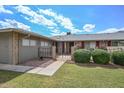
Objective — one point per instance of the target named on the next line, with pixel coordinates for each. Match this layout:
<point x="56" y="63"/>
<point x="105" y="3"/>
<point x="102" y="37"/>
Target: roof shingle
<point x="91" y="37"/>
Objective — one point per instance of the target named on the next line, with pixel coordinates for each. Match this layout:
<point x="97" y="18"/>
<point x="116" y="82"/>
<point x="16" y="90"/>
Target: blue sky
<point x="57" y="20"/>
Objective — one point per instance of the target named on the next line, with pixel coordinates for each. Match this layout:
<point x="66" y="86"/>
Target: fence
<point x="115" y="48"/>
<point x="45" y="51"/>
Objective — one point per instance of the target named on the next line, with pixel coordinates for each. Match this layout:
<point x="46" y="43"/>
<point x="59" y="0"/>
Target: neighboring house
<point x="17" y="45"/>
<point x="65" y="42"/>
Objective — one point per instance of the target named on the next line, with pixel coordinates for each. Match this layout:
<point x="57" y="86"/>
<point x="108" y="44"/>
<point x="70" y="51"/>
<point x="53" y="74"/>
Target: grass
<point x="68" y="76"/>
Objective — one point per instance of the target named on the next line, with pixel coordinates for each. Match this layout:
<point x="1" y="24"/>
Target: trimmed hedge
<point x="100" y="56"/>
<point x="118" y="57"/>
<point x="82" y="56"/>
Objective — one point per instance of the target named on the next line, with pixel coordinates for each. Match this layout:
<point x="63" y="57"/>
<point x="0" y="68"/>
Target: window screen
<point x="32" y="43"/>
<point x="42" y="43"/>
<point x="25" y="42"/>
<point x="45" y="43"/>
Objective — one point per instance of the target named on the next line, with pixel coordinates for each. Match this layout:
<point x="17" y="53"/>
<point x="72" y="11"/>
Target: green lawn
<point x="69" y="75"/>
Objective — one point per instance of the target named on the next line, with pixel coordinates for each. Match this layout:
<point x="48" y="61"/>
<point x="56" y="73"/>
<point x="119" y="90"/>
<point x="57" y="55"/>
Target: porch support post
<point x="73" y="48"/>
<point x="54" y="52"/>
<point x="65" y="48"/>
<point x="15" y="48"/>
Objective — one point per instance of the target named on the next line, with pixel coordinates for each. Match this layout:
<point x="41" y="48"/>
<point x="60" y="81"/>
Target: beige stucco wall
<point x="28" y="52"/>
<point x="6" y="48"/>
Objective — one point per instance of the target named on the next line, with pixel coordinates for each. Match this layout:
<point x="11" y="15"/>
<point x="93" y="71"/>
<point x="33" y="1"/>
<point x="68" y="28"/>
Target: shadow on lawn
<point x="93" y="65"/>
<point x="6" y="76"/>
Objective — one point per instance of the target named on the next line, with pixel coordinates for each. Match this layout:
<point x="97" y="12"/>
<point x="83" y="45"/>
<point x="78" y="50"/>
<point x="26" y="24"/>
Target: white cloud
<point x="52" y="22"/>
<point x="66" y="22"/>
<point x="63" y="21"/>
<point x="57" y="32"/>
<point x="34" y="17"/>
<point x="3" y="10"/>
<point x="48" y="12"/>
<point x="52" y="28"/>
<point x="111" y="30"/>
<point x="25" y="10"/>
<point x="11" y="23"/>
<point x="88" y="27"/>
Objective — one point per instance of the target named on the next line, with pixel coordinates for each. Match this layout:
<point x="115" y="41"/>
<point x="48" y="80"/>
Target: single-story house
<point x="17" y="45"/>
<point x="103" y="40"/>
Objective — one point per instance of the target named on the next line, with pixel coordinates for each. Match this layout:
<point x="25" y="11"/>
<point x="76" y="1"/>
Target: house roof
<point x="24" y="32"/>
<point x="91" y="37"/>
<point x="73" y="37"/>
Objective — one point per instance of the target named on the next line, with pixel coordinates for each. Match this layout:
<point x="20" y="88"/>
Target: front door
<point x="87" y="45"/>
<point x="90" y="45"/>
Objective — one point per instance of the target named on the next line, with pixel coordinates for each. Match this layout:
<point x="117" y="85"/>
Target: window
<point x="32" y="43"/>
<point x="114" y="43"/>
<point x="25" y="42"/>
<point x="121" y="43"/>
<point x="43" y="43"/>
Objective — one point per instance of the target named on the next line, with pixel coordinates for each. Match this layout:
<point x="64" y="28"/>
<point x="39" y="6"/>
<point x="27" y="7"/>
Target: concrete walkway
<point x="16" y="68"/>
<point x="49" y="70"/>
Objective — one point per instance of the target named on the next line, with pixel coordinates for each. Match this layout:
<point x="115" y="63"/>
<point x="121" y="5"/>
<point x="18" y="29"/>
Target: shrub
<point x="100" y="56"/>
<point x="82" y="56"/>
<point x="118" y="57"/>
